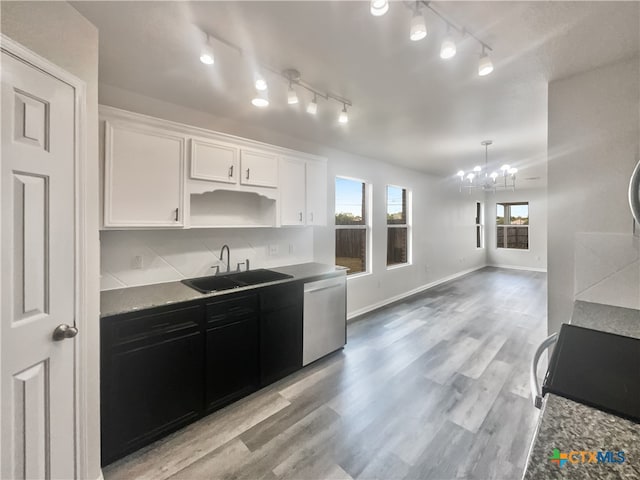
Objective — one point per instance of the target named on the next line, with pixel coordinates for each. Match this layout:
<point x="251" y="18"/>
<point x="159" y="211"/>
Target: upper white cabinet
<point x="214" y="161"/>
<point x="258" y="168"/>
<point x="316" y="189"/>
<point x="292" y="191"/>
<point x="143" y="176"/>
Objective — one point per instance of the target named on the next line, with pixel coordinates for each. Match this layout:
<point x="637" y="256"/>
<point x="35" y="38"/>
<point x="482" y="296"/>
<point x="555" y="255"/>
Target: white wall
<point x="443" y="219"/>
<point x="536" y="257"/>
<point x="57" y="32"/>
<point x="594" y="130"/>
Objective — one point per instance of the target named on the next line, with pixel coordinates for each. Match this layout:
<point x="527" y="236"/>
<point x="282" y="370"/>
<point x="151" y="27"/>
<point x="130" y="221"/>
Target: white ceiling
<point x="409" y="106"/>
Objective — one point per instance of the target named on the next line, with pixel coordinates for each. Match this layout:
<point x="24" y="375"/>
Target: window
<point x="512" y="225"/>
<point x="479" y="229"/>
<point x="397" y="226"/>
<point x="352" y="229"/>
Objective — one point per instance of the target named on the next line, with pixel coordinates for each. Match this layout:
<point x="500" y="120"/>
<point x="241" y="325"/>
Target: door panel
<point x="37" y="216"/>
<point x="292" y="191"/>
<point x="258" y="168"/>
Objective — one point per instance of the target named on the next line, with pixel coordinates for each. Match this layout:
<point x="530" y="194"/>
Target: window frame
<point x="406" y="225"/>
<point x="366" y="225"/>
<point x="479" y="226"/>
<point x="507" y="216"/>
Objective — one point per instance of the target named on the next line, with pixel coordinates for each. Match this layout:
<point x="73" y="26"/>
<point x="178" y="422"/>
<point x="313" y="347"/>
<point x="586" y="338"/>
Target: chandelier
<point x="480" y="178"/>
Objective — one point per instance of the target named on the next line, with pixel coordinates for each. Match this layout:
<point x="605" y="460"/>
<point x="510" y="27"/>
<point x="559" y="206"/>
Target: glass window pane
<point x="500" y="237"/>
<point x="351" y="249"/>
<point x="499" y="214"/>
<point x="349" y="202"/>
<point x="396" y="205"/>
<point x="519" y="214"/>
<point x="517" y="237"/>
<point x="478" y="217"/>
<point x="396" y="245"/>
<point x="478" y="237"/>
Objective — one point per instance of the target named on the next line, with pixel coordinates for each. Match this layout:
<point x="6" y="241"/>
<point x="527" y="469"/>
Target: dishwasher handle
<point x="536" y="392"/>
<point x="634" y="193"/>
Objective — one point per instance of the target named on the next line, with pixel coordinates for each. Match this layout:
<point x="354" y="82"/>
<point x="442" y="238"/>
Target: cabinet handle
<point x="177" y="214"/>
<point x="311" y="216"/>
<point x="231" y="171"/>
<point x="247" y="174"/>
<point x="300" y="215"/>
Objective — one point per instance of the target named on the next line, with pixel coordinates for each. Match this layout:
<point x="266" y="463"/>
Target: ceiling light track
<point x="292" y="77"/>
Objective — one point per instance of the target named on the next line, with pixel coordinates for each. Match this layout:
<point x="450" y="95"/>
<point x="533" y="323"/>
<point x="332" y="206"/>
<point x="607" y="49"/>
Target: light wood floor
<point x="434" y="387"/>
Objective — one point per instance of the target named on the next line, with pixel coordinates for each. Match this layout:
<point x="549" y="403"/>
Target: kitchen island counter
<point x="573" y="427"/>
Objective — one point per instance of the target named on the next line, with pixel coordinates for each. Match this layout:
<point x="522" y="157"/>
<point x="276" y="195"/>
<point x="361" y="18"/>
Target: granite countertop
<point x="571" y="426"/>
<point x="123" y="300"/>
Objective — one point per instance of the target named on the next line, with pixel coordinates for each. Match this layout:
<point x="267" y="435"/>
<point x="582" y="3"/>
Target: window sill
<point x="398" y="265"/>
<point x="514" y="249"/>
<point x="358" y="275"/>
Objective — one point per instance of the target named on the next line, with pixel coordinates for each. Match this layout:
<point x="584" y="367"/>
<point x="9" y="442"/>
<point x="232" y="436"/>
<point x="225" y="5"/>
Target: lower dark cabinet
<point x="280" y="331"/>
<point x="151" y="382"/>
<point x="232" y="362"/>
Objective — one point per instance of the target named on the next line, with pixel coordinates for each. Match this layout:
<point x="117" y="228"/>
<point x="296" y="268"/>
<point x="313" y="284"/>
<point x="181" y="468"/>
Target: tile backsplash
<point x="142" y="257"/>
<point x="607" y="269"/>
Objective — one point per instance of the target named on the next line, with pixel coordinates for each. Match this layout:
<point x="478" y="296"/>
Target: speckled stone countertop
<point x="123" y="300"/>
<point x="571" y="426"/>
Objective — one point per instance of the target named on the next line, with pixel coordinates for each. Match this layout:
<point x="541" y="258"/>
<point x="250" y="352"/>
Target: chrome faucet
<point x="228" y="255"/>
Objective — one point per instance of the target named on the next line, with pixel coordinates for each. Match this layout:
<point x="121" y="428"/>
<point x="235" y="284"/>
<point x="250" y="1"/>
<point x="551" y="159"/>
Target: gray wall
<point x="594" y="130"/>
<point x="57" y="32"/>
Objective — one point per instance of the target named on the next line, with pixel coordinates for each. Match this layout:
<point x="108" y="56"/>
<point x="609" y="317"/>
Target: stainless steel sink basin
<point x="216" y="283"/>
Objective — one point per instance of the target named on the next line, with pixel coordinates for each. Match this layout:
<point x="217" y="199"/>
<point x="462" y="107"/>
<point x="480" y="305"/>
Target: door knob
<point x="64" y="331"/>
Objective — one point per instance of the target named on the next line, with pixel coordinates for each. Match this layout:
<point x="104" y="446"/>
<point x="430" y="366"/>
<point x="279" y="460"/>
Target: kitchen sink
<point x="228" y="281"/>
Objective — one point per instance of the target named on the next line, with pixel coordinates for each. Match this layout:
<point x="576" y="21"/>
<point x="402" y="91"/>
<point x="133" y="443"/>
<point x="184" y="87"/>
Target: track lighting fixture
<point x="312" y="108"/>
<point x="418" y="26"/>
<point x="379" y="7"/>
<point x="343" y="118"/>
<point x="261" y="99"/>
<point x="261" y="83"/>
<point x="485" y="67"/>
<point x="448" y="46"/>
<point x="206" y="54"/>
<point x="292" y="96"/>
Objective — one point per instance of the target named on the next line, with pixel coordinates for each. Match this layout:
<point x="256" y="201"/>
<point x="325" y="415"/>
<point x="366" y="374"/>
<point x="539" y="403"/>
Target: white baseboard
<point x="395" y="298"/>
<point x="518" y="267"/>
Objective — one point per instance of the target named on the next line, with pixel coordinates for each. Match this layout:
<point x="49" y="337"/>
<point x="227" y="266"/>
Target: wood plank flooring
<point x="433" y="387"/>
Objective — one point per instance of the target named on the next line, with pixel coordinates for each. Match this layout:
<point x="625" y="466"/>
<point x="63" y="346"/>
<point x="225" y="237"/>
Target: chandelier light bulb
<point x="343" y="118"/>
<point x="477" y="168"/>
<point x="505" y="167"/>
<point x="379" y="7"/>
<point x="460" y="173"/>
<point x="292" y="96"/>
<point x="485" y="67"/>
<point x="312" y="108"/>
<point x="494" y="175"/>
<point x="418" y="27"/>
<point x="448" y="47"/>
<point x="470" y="177"/>
<point x="513" y="171"/>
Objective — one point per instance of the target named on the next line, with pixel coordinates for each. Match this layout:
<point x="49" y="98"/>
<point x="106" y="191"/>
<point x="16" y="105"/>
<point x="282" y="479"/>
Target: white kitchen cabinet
<point x="214" y="161"/>
<point x="292" y="191"/>
<point x="144" y="176"/>
<point x="258" y="168"/>
<point x="316" y="189"/>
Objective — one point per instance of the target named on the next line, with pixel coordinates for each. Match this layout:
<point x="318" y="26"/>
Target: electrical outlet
<point x="273" y="249"/>
<point x="137" y="262"/>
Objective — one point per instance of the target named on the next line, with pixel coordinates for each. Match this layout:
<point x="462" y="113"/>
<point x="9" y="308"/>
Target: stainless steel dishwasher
<point x="325" y="318"/>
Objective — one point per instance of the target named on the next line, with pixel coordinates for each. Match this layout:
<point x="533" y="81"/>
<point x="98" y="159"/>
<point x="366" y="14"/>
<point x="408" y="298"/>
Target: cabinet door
<point x="280" y="332"/>
<point x="316" y="182"/>
<point x="214" y="161"/>
<point x="258" y="168"/>
<point x="144" y="174"/>
<point x="152" y="371"/>
<point x="232" y="362"/>
<point x="292" y="191"/>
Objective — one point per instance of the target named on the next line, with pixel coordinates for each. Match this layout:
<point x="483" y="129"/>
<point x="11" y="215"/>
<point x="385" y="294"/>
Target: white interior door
<point x="37" y="222"/>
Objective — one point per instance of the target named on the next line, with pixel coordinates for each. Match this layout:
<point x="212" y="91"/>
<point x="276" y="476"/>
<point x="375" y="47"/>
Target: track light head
<point x="206" y="53"/>
<point x="485" y="67"/>
<point x="379" y="7"/>
<point x="448" y="47"/>
<point x="343" y="118"/>
<point x="312" y="108"/>
<point x="260" y="83"/>
<point x="418" y="26"/>
<point x="292" y="96"/>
